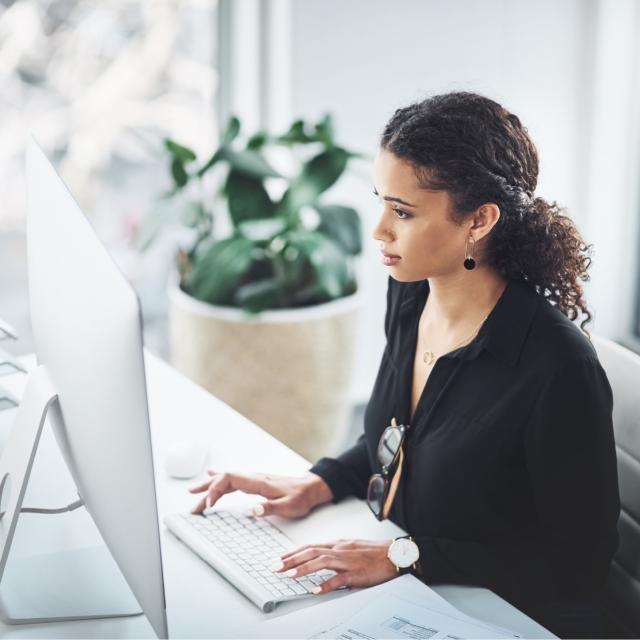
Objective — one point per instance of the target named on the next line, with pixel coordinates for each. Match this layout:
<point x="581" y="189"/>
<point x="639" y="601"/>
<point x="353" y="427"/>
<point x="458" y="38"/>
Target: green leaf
<point x="259" y="295"/>
<point x="262" y="230"/>
<point x="296" y="134"/>
<point x="179" y="173"/>
<point x="257" y="141"/>
<point x="326" y="259"/>
<point x="231" y="131"/>
<point x="317" y="175"/>
<point x="247" y="198"/>
<point x="294" y="266"/>
<point x="217" y="271"/>
<point x="209" y="163"/>
<point x="248" y="162"/>
<point x="324" y="131"/>
<point x="342" y="224"/>
<point x="182" y="153"/>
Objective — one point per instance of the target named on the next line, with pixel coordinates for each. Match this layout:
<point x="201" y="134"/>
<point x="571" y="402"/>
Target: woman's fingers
<point x="285" y="507"/>
<point x="219" y="486"/>
<point x="203" y="486"/>
<point x="223" y="483"/>
<point x="322" y="561"/>
<point x="336" y="582"/>
<point x="200" y="488"/>
<point x="290" y="497"/>
<point x="336" y="544"/>
<point x="296" y="559"/>
<point x="357" y="563"/>
<point x="199" y="508"/>
<point x="288" y="556"/>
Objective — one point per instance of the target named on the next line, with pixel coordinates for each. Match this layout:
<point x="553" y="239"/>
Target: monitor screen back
<point x="87" y="329"/>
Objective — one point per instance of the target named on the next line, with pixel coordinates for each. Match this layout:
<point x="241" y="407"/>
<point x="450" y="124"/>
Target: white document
<point x="393" y="617"/>
<point x="419" y="608"/>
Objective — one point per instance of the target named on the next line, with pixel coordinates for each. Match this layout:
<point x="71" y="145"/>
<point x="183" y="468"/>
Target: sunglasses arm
<point x="393" y="488"/>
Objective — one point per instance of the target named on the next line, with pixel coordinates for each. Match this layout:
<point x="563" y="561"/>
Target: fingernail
<point x="290" y="573"/>
<point x="208" y="502"/>
<point x="258" y="510"/>
<point x="276" y="565"/>
<point x="316" y="590"/>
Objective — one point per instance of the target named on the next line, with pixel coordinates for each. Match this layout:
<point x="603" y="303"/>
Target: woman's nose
<point x="381" y="230"/>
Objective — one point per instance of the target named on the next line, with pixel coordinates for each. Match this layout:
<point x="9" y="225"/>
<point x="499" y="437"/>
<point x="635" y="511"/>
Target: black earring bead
<point x="469" y="264"/>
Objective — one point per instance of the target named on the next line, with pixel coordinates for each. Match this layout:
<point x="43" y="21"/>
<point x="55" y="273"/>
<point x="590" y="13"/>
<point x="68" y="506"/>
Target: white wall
<point x="361" y="59"/>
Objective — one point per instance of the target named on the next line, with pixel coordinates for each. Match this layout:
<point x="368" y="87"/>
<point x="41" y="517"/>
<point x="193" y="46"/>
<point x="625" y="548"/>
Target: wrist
<point x="317" y="490"/>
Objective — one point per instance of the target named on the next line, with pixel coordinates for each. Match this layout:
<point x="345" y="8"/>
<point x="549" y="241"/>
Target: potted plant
<point x="263" y="309"/>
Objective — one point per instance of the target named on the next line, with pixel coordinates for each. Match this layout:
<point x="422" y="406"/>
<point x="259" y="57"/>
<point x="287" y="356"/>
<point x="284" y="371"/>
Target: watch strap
<point x="403" y="570"/>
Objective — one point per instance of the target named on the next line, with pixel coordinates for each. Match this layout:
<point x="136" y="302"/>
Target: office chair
<point x="623" y="587"/>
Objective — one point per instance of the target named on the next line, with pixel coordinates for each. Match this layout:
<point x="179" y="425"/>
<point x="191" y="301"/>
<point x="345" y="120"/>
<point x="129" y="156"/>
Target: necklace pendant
<point x="428" y="357"/>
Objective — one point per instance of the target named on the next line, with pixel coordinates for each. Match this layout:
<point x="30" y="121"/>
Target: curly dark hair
<point x="472" y="147"/>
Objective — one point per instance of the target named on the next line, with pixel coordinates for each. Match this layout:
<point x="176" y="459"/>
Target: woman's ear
<point x="484" y="219"/>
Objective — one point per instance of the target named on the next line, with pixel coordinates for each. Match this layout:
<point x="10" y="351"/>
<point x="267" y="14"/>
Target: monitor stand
<point x="76" y="584"/>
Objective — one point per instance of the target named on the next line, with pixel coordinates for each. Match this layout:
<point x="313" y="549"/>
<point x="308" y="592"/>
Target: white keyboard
<point x="242" y="549"/>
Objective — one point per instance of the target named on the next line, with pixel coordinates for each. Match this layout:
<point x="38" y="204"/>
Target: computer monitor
<point x="86" y="323"/>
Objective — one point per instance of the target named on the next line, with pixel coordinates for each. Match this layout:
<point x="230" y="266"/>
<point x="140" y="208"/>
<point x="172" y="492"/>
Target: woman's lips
<point x="389" y="259"/>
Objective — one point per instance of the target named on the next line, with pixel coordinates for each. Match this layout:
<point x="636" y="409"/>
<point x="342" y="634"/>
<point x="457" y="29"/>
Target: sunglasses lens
<point x="389" y="445"/>
<point x="375" y="493"/>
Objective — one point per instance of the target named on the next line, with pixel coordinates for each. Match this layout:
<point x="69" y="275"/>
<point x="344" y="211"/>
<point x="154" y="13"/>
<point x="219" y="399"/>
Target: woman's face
<point x="414" y="224"/>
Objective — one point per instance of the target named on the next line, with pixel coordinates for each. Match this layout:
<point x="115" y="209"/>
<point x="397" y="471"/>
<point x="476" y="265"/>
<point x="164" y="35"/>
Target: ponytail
<point x="541" y="246"/>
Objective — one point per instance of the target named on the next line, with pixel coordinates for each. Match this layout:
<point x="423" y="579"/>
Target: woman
<point x="505" y="476"/>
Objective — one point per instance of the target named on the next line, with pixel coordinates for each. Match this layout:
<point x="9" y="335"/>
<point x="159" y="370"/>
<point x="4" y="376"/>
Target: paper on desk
<point x="393" y="617"/>
<point x="327" y="616"/>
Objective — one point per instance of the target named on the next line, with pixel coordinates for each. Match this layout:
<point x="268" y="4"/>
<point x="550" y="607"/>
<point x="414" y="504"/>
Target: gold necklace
<point x="428" y="356"/>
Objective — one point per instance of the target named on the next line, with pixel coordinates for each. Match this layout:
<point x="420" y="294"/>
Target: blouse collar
<point x="505" y="330"/>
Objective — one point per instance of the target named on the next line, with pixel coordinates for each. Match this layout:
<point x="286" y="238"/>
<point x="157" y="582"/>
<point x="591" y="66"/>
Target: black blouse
<point x="510" y="478"/>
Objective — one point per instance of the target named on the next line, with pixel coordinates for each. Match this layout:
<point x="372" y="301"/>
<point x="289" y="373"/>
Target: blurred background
<point x="102" y="83"/>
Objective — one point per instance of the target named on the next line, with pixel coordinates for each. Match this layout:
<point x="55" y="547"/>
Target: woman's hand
<point x="358" y="563"/>
<point x="289" y="497"/>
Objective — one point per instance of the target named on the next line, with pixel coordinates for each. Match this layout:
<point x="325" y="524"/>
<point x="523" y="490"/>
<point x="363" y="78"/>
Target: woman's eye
<point x="403" y="215"/>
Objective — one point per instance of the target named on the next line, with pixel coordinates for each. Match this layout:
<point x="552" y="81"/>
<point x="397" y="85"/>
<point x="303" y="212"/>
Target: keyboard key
<point x="307" y="585"/>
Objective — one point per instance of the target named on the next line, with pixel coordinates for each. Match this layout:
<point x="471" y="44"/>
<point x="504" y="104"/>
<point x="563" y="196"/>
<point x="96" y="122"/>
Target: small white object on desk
<point x="185" y="459"/>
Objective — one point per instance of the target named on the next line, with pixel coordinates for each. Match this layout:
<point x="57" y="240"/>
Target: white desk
<point x="199" y="602"/>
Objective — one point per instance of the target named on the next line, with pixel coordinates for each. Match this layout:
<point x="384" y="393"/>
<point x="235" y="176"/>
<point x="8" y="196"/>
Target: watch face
<point x="403" y="552"/>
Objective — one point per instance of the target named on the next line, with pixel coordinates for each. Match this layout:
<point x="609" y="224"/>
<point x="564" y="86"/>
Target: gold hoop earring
<point x="469" y="262"/>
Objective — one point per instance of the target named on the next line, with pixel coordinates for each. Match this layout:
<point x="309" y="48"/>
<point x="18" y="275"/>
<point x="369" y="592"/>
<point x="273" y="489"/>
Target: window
<point x="100" y="84"/>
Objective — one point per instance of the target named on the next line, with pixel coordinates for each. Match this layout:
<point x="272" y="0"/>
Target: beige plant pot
<point x="289" y="371"/>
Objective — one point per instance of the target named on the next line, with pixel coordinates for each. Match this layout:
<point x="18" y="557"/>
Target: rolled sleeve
<point x="348" y="474"/>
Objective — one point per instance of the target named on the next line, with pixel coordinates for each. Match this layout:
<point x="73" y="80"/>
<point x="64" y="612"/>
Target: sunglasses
<point x="383" y="486"/>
